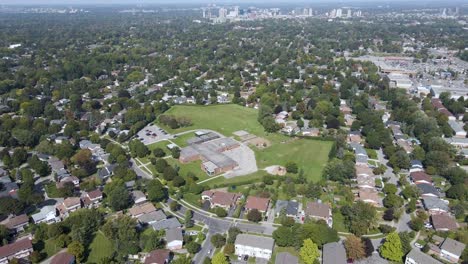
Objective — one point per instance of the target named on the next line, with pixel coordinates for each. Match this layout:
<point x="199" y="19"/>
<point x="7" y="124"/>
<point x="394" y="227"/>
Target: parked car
<point x="418" y="245"/>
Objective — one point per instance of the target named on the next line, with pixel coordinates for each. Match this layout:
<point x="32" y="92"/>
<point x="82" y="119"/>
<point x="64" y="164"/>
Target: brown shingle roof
<point x="13" y="248"/>
<point x="17" y="221"/>
<point x="157" y="256"/>
<point x="95" y="194"/>
<point x="142" y="209"/>
<point x="223" y="198"/>
<point x="420" y="176"/>
<point x="261" y="204"/>
<point x="317" y="210"/>
<point x="443" y="221"/>
<point x="71" y="202"/>
<point x="62" y="258"/>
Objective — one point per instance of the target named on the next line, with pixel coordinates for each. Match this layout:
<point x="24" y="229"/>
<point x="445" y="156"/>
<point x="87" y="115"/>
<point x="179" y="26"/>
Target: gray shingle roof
<point x="453" y="246"/>
<point x="431" y="203"/>
<point x="255" y="241"/>
<point x="286" y="258"/>
<point x="334" y="253"/>
<point x="427" y="189"/>
<point x="174" y="234"/>
<point x="421" y="258"/>
<point x="166" y="224"/>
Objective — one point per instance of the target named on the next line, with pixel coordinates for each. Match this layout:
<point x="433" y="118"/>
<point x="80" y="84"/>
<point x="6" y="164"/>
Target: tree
<point x="174" y="206"/>
<point x="169" y="173"/>
<point x="156" y="191"/>
<point x="368" y="246"/>
<point x="291" y="167"/>
<point x="416" y="223"/>
<point x="309" y="252"/>
<point x="389" y="214"/>
<point x="159" y="152"/>
<point x="193" y="247"/>
<point x="393" y="201"/>
<point x="160" y="165"/>
<point x="182" y="259"/>
<point x="175" y="152"/>
<point x="229" y="249"/>
<point x="138" y="149"/>
<point x="219" y="258"/>
<point x="391" y="248"/>
<point x="360" y="217"/>
<point x="218" y="240"/>
<point x="220" y="212"/>
<point x="118" y="197"/>
<point x="354" y="248"/>
<point x="254" y="216"/>
<point x="76" y="249"/>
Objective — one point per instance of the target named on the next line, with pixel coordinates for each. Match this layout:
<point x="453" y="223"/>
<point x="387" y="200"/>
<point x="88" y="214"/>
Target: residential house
<point x="63" y="258"/>
<point x="286" y="258"/>
<point x="419" y="177"/>
<point x="69" y="205"/>
<point x="457" y="142"/>
<point x="361" y="154"/>
<point x="416" y="256"/>
<point x="92" y="199"/>
<point x="416" y="166"/>
<point x="369" y="196"/>
<point x="364" y="181"/>
<point x="254" y="246"/>
<point x="174" y="239"/>
<point x="443" y="222"/>
<point x="457" y="128"/>
<point x="311" y="132"/>
<point x="166" y="224"/>
<point x="290" y="208"/>
<point x="435" y="205"/>
<point x="65" y="179"/>
<point x="259" y="203"/>
<point x="10" y="188"/>
<point x="355" y="136"/>
<point x="152" y="217"/>
<point x="333" y="253"/>
<point x="16" y="223"/>
<point x="319" y="211"/>
<point x="47" y="214"/>
<point x="427" y="190"/>
<point x="138" y="197"/>
<point x="107" y="171"/>
<point x="20" y="249"/>
<point x="141" y="209"/>
<point x="362" y="170"/>
<point x="451" y="250"/>
<point x="221" y="199"/>
<point x="405" y="145"/>
<point x="158" y="256"/>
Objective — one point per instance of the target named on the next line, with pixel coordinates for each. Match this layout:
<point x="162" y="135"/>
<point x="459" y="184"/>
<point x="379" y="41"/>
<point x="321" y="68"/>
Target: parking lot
<point x="151" y="134"/>
<point x="245" y="157"/>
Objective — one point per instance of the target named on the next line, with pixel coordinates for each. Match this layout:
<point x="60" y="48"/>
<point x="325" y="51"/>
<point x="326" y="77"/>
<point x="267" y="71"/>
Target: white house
<point x="254" y="246"/>
<point x="46" y="215"/>
<point x="174" y="239"/>
<point x="451" y="250"/>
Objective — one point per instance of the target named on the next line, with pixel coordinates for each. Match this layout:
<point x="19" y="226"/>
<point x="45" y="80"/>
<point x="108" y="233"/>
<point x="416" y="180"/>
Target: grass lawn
<point x="161" y="144"/>
<point x="194" y="167"/>
<point x="101" y="247"/>
<point x="239" y="180"/>
<point x="372" y="153"/>
<point x="310" y="155"/>
<point x="338" y="222"/>
<point x="181" y="140"/>
<point x="224" y="119"/>
<point x="192" y="199"/>
<point x="50" y="247"/>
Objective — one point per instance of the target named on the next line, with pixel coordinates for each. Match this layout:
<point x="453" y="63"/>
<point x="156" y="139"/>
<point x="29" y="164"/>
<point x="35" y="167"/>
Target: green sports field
<point x="310" y="155"/>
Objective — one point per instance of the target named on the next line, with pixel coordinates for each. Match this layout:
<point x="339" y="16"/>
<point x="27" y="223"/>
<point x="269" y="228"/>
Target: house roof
<point x="334" y="253"/>
<point x="174" y="234"/>
<point x="137" y="195"/>
<point x="286" y="258"/>
<point x="13" y="248"/>
<point x="17" y="221"/>
<point x="364" y="180"/>
<point x="222" y="198"/>
<point x="166" y="224"/>
<point x="453" y="246"/>
<point x="363" y="170"/>
<point x="71" y="202"/>
<point x="95" y="194"/>
<point x="255" y="241"/>
<point x="142" y="209"/>
<point x="369" y="195"/>
<point x="432" y="203"/>
<point x="416" y="163"/>
<point x="62" y="258"/>
<point x="152" y="217"/>
<point x="443" y="221"/>
<point x="317" y="209"/>
<point x="419" y="257"/>
<point x="290" y="207"/>
<point x="43" y="213"/>
<point x="261" y="204"/>
<point x="158" y="256"/>
<point x="426" y="188"/>
<point x="420" y="176"/>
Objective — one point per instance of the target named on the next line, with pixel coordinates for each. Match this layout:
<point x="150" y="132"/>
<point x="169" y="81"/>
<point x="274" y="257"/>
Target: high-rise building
<point x="236" y="11"/>
<point x="333" y="13"/>
<point x="348" y="15"/>
<point x="222" y="12"/>
<point x="457" y="10"/>
<point x="311" y="12"/>
<point x="204" y="13"/>
<point x="339" y="12"/>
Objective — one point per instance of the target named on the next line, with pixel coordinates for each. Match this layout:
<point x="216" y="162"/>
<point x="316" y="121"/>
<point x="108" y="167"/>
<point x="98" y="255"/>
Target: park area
<point x="311" y="155"/>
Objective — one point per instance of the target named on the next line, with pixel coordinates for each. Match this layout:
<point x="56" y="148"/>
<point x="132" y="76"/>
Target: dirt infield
<point x="259" y="142"/>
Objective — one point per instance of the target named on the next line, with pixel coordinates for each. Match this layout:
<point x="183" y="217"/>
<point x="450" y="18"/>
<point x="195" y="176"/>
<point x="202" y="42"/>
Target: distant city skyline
<point x="165" y="2"/>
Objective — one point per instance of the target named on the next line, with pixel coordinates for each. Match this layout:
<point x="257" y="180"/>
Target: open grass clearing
<point x="100" y="248"/>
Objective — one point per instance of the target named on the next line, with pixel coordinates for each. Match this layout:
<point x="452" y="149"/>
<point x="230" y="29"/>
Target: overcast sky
<point x="68" y="2"/>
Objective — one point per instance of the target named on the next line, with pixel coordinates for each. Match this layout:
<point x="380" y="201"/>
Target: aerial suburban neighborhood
<point x="312" y="133"/>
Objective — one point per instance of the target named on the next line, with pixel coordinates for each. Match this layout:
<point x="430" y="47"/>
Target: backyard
<point x="100" y="248"/>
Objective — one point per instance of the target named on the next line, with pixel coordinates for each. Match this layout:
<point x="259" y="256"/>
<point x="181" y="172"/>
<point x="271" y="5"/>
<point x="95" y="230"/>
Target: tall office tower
<point x="222" y="12"/>
<point x="204" y="12"/>
<point x="444" y="12"/>
<point x="339" y="12"/>
<point x="236" y="11"/>
<point x="457" y="10"/>
<point x="311" y="12"/>
<point x="348" y="15"/>
<point x="333" y="13"/>
<point x="359" y="13"/>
